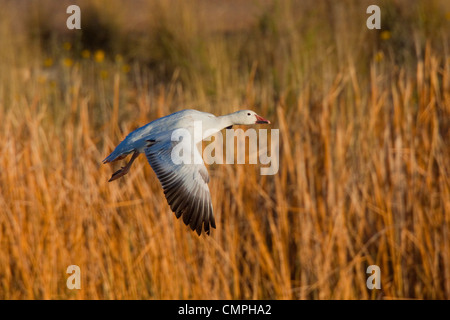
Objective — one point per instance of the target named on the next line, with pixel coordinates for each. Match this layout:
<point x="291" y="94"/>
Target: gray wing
<point x="185" y="186"/>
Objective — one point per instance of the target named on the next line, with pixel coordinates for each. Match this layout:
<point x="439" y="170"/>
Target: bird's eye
<point x="248" y="113"/>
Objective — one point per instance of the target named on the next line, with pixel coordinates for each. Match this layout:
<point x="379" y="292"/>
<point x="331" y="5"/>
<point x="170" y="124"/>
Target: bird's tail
<point x="114" y="156"/>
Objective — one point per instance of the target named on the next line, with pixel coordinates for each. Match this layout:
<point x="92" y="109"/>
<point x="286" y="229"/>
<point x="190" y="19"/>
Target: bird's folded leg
<point x="124" y="170"/>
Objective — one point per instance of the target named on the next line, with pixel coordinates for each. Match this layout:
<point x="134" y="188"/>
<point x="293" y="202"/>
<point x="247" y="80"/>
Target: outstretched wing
<point x="185" y="185"/>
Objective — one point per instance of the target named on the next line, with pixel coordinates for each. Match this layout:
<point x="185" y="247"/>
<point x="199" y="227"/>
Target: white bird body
<point x="185" y="185"/>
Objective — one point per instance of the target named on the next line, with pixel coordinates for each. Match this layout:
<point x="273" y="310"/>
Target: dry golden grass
<point x="364" y="156"/>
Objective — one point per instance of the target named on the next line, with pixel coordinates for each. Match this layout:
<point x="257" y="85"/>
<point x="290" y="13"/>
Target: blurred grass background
<point x="364" y="119"/>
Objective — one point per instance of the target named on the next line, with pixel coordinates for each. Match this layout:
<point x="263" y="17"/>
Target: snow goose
<point x="185" y="185"/>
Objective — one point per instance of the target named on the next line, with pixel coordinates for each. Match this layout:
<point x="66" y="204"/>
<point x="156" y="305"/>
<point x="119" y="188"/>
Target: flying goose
<point x="185" y="185"/>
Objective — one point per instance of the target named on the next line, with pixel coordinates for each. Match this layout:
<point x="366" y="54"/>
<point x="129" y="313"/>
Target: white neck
<point x="220" y="123"/>
<point x="226" y="120"/>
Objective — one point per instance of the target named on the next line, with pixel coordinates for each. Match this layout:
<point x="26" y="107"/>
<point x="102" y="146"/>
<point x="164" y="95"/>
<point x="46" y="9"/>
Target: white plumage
<point x="185" y="185"/>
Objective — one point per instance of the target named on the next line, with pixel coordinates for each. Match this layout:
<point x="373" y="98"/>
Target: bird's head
<point x="248" y="117"/>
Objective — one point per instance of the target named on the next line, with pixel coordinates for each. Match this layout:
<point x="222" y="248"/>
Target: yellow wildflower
<point x="385" y="35"/>
<point x="67" y="62"/>
<point x="99" y="56"/>
<point x="379" y="56"/>
<point x="48" y="62"/>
